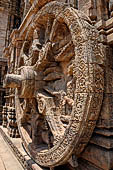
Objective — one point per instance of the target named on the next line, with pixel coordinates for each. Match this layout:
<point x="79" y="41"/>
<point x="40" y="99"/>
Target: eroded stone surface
<point x="59" y="84"/>
<point x="57" y="74"/>
<point x="7" y="159"/>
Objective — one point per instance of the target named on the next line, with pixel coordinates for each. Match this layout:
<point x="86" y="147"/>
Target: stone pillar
<point x="3" y="64"/>
<point x="102" y="9"/>
<point x="1" y="107"/>
<point x="4" y="115"/>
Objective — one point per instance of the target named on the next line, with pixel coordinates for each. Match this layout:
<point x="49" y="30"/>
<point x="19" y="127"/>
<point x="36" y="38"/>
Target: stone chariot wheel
<point x="60" y="84"/>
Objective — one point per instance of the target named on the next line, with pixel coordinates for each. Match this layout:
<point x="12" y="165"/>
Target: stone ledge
<point x="15" y="145"/>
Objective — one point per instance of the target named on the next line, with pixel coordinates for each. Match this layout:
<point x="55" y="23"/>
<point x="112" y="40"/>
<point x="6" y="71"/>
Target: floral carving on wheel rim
<point x="62" y="83"/>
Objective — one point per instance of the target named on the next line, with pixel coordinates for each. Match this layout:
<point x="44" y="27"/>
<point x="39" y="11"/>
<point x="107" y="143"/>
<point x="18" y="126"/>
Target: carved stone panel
<point x="59" y="84"/>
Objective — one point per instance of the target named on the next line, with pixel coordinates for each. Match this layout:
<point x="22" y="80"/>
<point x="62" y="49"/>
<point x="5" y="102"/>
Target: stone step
<point x="15" y="145"/>
<point x="7" y="159"/>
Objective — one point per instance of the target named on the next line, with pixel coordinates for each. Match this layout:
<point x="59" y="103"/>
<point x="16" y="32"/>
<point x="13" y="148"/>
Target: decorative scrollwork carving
<point x="62" y="84"/>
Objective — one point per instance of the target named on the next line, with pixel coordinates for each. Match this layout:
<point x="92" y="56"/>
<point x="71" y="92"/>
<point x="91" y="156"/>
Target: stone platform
<point x="13" y="155"/>
<point x="7" y="159"/>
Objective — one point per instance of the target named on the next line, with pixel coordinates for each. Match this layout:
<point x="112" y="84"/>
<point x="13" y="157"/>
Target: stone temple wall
<point x="10" y="18"/>
<point x="3" y="62"/>
<point x="3" y="28"/>
<point x="98" y="154"/>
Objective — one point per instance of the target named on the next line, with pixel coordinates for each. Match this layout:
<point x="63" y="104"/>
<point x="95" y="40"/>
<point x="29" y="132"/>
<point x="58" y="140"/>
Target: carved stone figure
<point x="59" y="84"/>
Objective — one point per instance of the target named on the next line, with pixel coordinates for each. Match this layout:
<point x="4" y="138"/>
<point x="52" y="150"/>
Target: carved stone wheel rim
<point x="89" y="75"/>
